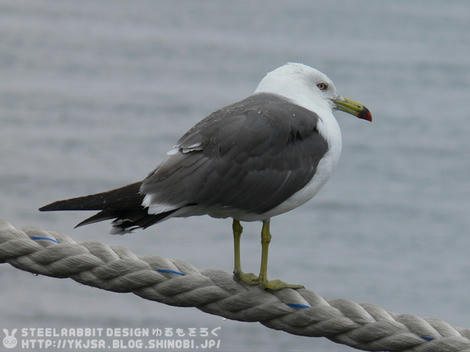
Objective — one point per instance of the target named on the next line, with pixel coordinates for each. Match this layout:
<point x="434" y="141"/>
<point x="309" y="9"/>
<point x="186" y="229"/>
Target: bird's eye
<point x="322" y="86"/>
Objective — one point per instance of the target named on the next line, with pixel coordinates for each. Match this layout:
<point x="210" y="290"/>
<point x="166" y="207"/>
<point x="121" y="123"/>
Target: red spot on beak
<point x="365" y="115"/>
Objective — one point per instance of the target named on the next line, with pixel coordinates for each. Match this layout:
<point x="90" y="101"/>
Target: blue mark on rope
<point x="170" y="271"/>
<point x="295" y="305"/>
<point x="427" y="338"/>
<point x="44" y="238"/>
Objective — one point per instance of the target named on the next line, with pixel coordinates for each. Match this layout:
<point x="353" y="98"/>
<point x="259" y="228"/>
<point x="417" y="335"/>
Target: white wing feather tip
<point x="173" y="150"/>
<point x="161" y="208"/>
<point x="191" y="148"/>
<point x="147" y="201"/>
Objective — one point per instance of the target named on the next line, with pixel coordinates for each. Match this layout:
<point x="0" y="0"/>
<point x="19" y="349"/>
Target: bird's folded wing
<point x="251" y="156"/>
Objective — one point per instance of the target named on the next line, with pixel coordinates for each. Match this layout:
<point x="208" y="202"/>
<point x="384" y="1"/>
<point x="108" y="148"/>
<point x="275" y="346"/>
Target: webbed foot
<point x="247" y="278"/>
<point x="278" y="284"/>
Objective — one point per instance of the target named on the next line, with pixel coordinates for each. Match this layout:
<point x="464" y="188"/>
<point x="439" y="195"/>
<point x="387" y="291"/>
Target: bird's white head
<point x="309" y="88"/>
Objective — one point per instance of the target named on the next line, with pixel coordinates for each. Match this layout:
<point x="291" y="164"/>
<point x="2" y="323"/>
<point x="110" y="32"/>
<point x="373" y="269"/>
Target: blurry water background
<point x="93" y="94"/>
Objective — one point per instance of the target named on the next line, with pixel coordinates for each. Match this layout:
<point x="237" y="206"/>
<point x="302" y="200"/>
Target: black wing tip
<point x="101" y="216"/>
<point x="49" y="207"/>
<point x="67" y="204"/>
<point x="83" y="223"/>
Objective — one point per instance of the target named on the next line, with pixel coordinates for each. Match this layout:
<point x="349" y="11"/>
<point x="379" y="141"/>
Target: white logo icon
<point x="10" y="341"/>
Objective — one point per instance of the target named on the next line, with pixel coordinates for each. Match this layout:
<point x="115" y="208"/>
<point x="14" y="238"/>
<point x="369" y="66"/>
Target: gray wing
<point x="250" y="156"/>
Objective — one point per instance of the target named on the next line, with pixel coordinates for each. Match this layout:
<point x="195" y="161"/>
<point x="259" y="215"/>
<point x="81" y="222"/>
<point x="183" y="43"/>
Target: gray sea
<point x="93" y="94"/>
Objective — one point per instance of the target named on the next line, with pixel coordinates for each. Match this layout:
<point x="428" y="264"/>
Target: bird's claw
<point x="247" y="278"/>
<point x="252" y="279"/>
<point x="278" y="284"/>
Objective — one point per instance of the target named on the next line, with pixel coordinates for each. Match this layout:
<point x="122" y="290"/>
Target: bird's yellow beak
<point x="352" y="107"/>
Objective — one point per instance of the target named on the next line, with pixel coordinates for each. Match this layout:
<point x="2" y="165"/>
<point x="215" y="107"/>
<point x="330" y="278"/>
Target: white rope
<point x="174" y="282"/>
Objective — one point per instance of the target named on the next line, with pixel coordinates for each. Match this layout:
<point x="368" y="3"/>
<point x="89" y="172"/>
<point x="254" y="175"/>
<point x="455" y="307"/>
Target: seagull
<point x="257" y="158"/>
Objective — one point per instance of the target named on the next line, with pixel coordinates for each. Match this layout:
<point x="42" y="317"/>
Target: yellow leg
<point x="263" y="273"/>
<point x="265" y="240"/>
<point x="237" y="234"/>
<point x="248" y="278"/>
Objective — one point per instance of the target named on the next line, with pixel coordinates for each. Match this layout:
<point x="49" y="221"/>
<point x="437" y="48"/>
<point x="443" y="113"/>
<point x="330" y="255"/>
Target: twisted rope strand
<point x="177" y="283"/>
